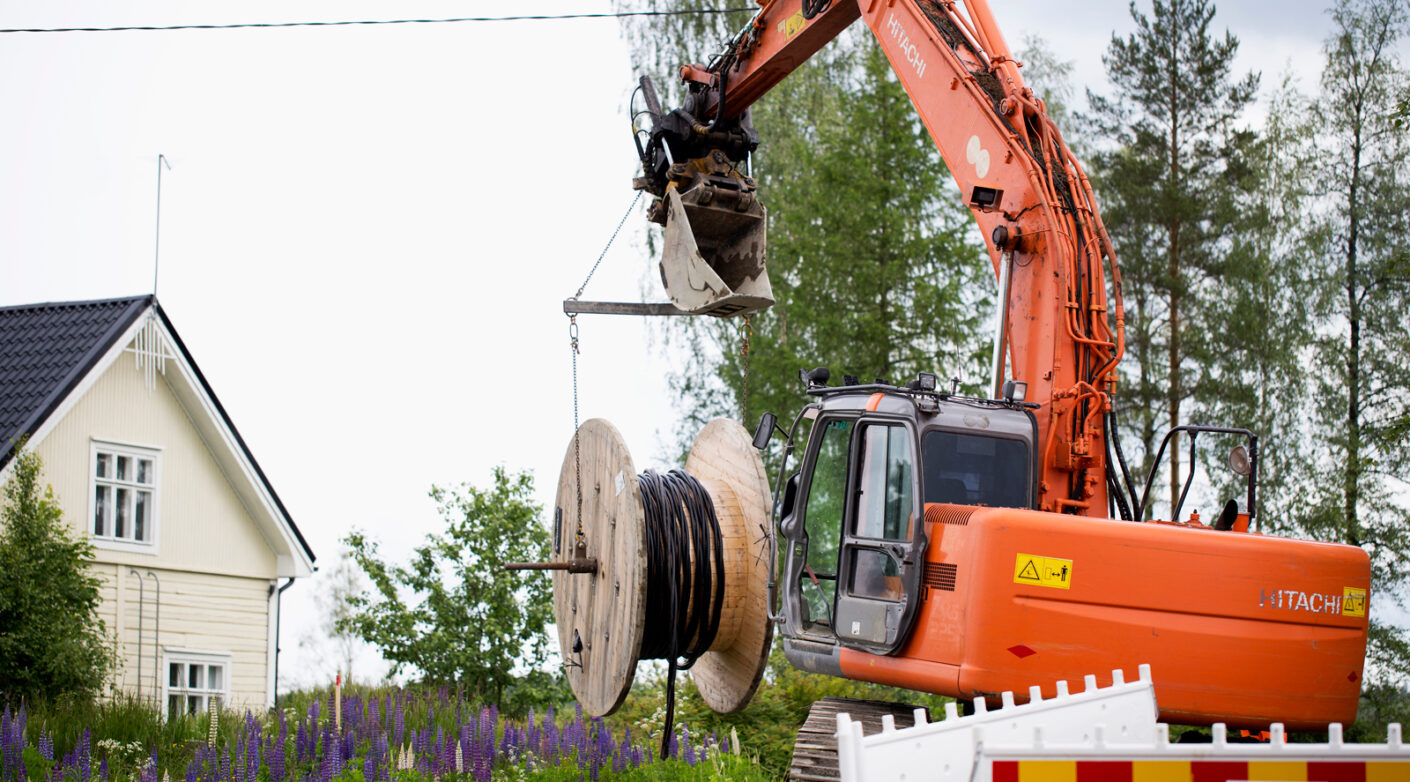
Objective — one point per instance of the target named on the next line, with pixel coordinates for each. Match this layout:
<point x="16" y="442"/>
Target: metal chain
<point x="579" y="542"/>
<point x="613" y="238"/>
<point x="747" y="330"/>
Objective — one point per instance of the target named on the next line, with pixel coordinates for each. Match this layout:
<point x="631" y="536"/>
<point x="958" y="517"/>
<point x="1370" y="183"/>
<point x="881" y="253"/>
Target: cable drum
<point x="680" y="566"/>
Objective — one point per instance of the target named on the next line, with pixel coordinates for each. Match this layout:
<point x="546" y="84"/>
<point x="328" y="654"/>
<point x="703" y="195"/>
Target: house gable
<point x="129" y="379"/>
<point x="200" y="523"/>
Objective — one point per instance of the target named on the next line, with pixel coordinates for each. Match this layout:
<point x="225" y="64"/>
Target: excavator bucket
<point x="713" y="259"/>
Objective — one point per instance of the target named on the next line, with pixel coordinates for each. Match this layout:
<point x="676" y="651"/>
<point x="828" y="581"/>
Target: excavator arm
<point x="1032" y="201"/>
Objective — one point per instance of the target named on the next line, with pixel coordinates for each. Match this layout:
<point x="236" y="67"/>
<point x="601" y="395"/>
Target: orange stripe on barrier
<point x="1275" y="771"/>
<point x="1382" y="771"/>
<point x="1160" y="771"/>
<point x="1047" y="771"/>
<point x="873" y="402"/>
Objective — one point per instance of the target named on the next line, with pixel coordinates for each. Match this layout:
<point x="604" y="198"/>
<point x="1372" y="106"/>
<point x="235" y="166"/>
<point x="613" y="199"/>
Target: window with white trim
<point x="194" y="680"/>
<point x="124" y="493"/>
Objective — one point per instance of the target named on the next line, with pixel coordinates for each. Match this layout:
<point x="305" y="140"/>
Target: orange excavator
<point x="969" y="546"/>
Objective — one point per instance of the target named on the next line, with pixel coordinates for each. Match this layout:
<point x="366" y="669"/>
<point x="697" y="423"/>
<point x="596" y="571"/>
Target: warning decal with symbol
<point x="1042" y="571"/>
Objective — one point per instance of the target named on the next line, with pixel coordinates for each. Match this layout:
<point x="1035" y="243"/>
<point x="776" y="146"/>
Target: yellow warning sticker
<point x="792" y="25"/>
<point x="1042" y="571"/>
<point x="1353" y="601"/>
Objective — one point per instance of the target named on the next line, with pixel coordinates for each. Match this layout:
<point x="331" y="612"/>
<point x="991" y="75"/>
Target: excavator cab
<point x="713" y="256"/>
<point x="880" y="461"/>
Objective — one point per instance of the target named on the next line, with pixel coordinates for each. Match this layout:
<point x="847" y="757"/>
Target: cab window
<point x="885" y="499"/>
<point x="967" y="469"/>
<point x="827" y="496"/>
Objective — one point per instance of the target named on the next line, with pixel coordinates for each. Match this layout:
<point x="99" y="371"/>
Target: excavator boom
<point x="1030" y="197"/>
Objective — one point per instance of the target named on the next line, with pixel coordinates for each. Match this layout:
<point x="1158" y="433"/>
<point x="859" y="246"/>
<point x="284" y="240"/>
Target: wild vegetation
<point x="52" y="643"/>
<point x="358" y="735"/>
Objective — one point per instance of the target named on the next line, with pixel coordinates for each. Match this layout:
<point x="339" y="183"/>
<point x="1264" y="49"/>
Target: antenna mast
<point x="157" y="254"/>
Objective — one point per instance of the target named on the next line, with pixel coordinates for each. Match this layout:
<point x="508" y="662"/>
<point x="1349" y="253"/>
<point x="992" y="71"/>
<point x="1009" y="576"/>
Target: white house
<point x="190" y="540"/>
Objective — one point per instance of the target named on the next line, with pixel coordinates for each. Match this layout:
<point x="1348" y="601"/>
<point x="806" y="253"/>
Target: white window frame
<point x="195" y="657"/>
<point x="153" y="528"/>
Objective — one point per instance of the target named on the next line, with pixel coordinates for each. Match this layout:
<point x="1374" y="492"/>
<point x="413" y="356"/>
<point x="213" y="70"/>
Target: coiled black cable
<point x="685" y="576"/>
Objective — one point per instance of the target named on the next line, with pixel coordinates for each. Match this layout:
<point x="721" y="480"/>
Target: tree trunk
<point x="1352" y="484"/>
<point x="1173" y="233"/>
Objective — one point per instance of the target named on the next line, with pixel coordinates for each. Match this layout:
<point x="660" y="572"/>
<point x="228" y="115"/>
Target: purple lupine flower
<point x="506" y="739"/>
<point x="387" y="758"/>
<point x="472" y="758"/>
<point x="225" y="764"/>
<point x="103" y="769"/>
<point x="399" y="727"/>
<point x="550" y="736"/>
<point x="313" y="712"/>
<point x="276" y="754"/>
<point x="85" y="756"/>
<point x="438" y="752"/>
<point x="193" y="769"/>
<point x="487" y="725"/>
<point x="6" y="748"/>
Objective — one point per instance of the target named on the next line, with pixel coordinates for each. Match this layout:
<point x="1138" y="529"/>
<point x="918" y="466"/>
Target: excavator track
<point x="815" y="748"/>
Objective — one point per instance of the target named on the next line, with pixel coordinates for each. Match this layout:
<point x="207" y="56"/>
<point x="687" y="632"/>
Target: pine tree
<point x="1171" y="180"/>
<point x="1362" y="355"/>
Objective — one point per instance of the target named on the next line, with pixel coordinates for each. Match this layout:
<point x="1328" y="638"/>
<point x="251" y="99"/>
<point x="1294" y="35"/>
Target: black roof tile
<point x="46" y="349"/>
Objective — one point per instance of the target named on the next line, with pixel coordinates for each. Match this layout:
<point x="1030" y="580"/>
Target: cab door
<point x="812" y="530"/>
<point x="882" y="540"/>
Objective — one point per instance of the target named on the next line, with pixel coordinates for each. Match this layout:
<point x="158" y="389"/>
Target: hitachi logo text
<point x="1295" y="600"/>
<point x="908" y="49"/>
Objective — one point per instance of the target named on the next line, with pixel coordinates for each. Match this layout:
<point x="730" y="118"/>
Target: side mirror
<point x="1238" y="461"/>
<point x="765" y="430"/>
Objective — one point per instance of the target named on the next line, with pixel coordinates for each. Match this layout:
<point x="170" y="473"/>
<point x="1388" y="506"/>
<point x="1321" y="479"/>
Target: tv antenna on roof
<point x="157" y="254"/>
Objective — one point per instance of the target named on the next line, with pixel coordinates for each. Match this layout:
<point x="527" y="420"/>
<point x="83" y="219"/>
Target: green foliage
<point x="1180" y="183"/>
<point x="51" y="639"/>
<point x="124" y="729"/>
<point x="1362" y="352"/>
<point x="453" y="613"/>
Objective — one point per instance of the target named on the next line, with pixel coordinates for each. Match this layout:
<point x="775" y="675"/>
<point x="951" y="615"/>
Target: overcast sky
<point x="368" y="232"/>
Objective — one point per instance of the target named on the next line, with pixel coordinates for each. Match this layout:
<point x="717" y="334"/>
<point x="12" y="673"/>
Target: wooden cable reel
<point x="601" y="607"/>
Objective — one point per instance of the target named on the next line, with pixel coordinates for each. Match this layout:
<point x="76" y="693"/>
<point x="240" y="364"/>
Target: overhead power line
<point x="348" y="23"/>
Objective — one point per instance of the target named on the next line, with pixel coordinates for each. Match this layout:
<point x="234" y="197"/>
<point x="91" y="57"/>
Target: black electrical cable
<point x="685" y="576"/>
<point x="347" y="23"/>
<point x="1113" y="429"/>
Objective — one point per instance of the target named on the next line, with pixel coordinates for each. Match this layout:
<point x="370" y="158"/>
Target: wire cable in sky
<point x="533" y="18"/>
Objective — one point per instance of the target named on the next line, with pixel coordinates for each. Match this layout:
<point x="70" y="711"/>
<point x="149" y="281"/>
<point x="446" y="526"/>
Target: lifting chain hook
<point x="579" y="543"/>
